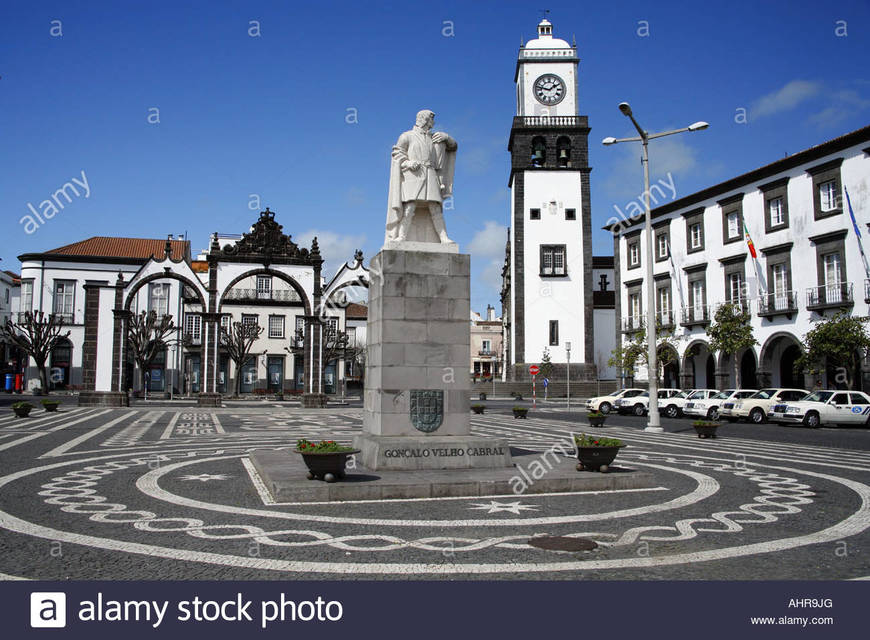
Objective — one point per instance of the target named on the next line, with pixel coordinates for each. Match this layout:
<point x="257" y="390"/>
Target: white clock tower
<point x="547" y="293"/>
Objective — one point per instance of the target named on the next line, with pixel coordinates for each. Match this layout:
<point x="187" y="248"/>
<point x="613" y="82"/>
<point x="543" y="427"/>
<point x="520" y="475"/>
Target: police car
<point x="709" y="408"/>
<point x="675" y="404"/>
<point x="825" y="407"/>
<point x="639" y="405"/>
<point x="605" y="403"/>
<point x="756" y="407"/>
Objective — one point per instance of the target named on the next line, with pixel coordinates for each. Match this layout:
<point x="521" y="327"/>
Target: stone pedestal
<point x="418" y="356"/>
<point x="314" y="400"/>
<point x="103" y="399"/>
<point x="208" y="400"/>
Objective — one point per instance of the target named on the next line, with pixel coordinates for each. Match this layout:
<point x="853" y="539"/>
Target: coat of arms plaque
<point x="427" y="410"/>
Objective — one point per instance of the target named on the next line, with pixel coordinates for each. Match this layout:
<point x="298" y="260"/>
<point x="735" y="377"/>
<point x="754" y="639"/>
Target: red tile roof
<point x="354" y="310"/>
<point x="137" y="248"/>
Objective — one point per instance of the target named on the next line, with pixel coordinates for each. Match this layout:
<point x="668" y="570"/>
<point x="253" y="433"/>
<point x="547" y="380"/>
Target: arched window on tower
<point x="539" y="152"/>
<point x="563" y="152"/>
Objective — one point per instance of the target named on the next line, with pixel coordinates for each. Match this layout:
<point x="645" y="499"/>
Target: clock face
<point x="549" y="89"/>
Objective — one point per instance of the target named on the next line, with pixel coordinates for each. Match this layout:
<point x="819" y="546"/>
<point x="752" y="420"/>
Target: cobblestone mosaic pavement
<point x="168" y="493"/>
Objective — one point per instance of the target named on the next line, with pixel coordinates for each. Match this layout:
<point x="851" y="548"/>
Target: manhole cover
<point x="562" y="543"/>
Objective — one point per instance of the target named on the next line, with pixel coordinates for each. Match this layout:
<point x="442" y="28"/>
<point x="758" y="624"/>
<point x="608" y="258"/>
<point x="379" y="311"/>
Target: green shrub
<point x="588" y="441"/>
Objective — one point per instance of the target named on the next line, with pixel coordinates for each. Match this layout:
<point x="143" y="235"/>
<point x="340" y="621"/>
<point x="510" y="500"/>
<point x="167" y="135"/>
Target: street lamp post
<point x="652" y="362"/>
<point x="568" y="378"/>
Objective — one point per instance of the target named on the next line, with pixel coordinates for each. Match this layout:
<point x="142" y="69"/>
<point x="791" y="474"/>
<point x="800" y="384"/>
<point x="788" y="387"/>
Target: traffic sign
<point x="546" y="382"/>
<point x="534" y="369"/>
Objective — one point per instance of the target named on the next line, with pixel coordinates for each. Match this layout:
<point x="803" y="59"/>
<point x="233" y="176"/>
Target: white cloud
<point x="845" y="104"/>
<point x="489" y="242"/>
<point x="790" y="96"/>
<point x="355" y="196"/>
<point x="490" y="276"/>
<point x="335" y="248"/>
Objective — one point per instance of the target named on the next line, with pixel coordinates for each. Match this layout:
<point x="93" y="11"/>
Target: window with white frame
<point x="486" y="346"/>
<point x="225" y="322"/>
<point x="276" y="326"/>
<point x="250" y="320"/>
<point x="26" y="295"/>
<point x="64" y="298"/>
<point x="775" y="211"/>
<point x="634" y="308"/>
<point x="264" y="287"/>
<point x="351" y="336"/>
<point x="554" y="333"/>
<point x="634" y="253"/>
<point x="663" y="304"/>
<point x="193" y="327"/>
<point x="695" y="236"/>
<point x="300" y="329"/>
<point x="330" y="328"/>
<point x="663" y="245"/>
<point x="735" y="288"/>
<point x="828" y="200"/>
<point x="779" y="278"/>
<point x="733" y="222"/>
<point x="158" y="298"/>
<point x="696" y="292"/>
<point x="553" y="260"/>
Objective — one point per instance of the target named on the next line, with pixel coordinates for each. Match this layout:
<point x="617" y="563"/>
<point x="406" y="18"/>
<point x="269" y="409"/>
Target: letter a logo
<point x="48" y="609"/>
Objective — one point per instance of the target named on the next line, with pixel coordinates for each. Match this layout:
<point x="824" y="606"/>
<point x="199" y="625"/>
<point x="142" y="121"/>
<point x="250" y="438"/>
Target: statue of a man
<point x="421" y="175"/>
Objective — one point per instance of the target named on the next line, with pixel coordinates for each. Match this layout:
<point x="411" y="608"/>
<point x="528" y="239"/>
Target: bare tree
<point x="336" y="345"/>
<point x="237" y="342"/>
<point x="148" y="334"/>
<point x="36" y="336"/>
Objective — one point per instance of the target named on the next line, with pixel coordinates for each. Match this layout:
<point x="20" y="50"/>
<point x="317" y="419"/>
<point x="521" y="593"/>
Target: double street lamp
<point x="652" y="361"/>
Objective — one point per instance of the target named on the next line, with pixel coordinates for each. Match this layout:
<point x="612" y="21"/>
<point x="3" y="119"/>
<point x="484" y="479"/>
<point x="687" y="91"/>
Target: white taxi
<point x="756" y="407"/>
<point x="605" y="403"/>
<point x="825" y="407"/>
<point x="675" y="405"/>
<point x="709" y="408"/>
<point x="639" y="405"/>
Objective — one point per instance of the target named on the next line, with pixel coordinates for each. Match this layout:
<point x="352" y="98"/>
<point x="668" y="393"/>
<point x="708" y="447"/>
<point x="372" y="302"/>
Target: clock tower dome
<point x="547" y="293"/>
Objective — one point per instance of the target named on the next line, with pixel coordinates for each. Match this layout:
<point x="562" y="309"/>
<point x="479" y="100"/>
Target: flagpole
<point x="857" y="233"/>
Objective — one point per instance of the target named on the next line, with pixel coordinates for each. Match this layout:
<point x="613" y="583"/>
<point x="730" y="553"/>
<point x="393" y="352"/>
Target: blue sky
<point x="268" y="115"/>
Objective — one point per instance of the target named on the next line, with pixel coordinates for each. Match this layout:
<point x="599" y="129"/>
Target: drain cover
<point x="562" y="543"/>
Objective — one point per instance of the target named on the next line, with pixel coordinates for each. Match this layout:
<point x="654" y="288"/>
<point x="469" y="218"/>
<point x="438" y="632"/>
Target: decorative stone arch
<point x="766" y="365"/>
<point x="167" y="275"/>
<point x="687" y="364"/>
<point x="329" y="299"/>
<point x="264" y="271"/>
<point x="671" y="377"/>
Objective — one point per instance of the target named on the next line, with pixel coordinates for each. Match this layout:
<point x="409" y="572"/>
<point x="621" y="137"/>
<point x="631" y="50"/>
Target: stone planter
<point x="520" y="412"/>
<point x="478" y="408"/>
<point x="596" y="458"/>
<point x="481" y="396"/>
<point x="327" y="466"/>
<point x="51" y="406"/>
<point x="597" y="421"/>
<point x="23" y="412"/>
<point x="706" y="429"/>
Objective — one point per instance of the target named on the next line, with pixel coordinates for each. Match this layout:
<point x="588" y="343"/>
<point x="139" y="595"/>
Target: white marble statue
<point x="421" y="176"/>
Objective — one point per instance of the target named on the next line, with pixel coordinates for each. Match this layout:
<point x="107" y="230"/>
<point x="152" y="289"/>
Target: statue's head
<point x="425" y="119"/>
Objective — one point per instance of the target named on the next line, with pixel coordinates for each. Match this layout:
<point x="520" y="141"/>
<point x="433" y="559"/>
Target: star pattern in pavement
<point x="511" y="507"/>
<point x="205" y="477"/>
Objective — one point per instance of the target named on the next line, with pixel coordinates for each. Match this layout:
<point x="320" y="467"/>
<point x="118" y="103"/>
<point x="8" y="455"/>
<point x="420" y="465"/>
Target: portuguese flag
<point x="749" y="241"/>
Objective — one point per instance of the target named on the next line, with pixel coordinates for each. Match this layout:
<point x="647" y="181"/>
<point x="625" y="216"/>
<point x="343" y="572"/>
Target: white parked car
<point x="825" y="407"/>
<point x="674" y="406"/>
<point x="605" y="403"/>
<point x="639" y="405"/>
<point x="756" y="407"/>
<point x="709" y="408"/>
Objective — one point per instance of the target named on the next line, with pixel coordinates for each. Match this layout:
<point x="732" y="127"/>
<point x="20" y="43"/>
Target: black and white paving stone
<point x="168" y="493"/>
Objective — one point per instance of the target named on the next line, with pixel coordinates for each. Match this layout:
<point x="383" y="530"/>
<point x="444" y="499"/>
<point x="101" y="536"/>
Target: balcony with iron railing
<point x="695" y="315"/>
<point x="665" y="319"/>
<point x="783" y="303"/>
<point x="261" y="295"/>
<point x="830" y="296"/>
<point x="631" y="324"/>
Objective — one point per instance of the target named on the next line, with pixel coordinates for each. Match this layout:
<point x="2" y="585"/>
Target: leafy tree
<point x="36" y="336"/>
<point x="147" y="336"/>
<point x="546" y="368"/>
<point x="730" y="332"/>
<point x="629" y="354"/>
<point x="840" y="341"/>
<point x="237" y="342"/>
